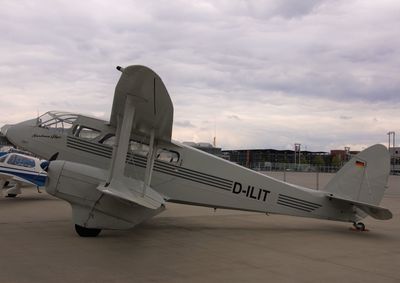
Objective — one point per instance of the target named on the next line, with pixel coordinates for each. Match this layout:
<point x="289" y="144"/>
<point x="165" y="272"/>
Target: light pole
<point x="392" y="144"/>
<point x="297" y="153"/>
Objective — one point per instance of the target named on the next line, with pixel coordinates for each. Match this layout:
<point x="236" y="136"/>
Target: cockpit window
<point x="57" y="120"/>
<point x="3" y="158"/>
<point x="21" y="161"/>
<point x="85" y="132"/>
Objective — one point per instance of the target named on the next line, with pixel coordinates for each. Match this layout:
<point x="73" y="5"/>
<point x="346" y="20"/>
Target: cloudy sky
<point x="261" y="74"/>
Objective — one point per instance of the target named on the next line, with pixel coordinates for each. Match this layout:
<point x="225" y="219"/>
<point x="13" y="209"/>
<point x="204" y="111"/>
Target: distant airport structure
<point x="395" y="160"/>
<point x="279" y="160"/>
<point x="207" y="147"/>
<point x="296" y="160"/>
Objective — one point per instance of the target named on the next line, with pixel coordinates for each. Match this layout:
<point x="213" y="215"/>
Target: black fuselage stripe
<point x="91" y="146"/>
<point x="300" y="203"/>
<point x="206" y="179"/>
<point x="297" y="204"/>
<point x="300" y="200"/>
<point x="189" y="171"/>
<point x="89" y="143"/>
<point x="181" y="170"/>
<point x="160" y="170"/>
<point x="193" y="178"/>
<point x="162" y="167"/>
<point x="295" y="207"/>
<point x="89" y="151"/>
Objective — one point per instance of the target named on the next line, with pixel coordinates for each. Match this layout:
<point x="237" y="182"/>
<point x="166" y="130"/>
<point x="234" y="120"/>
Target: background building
<point x="395" y="160"/>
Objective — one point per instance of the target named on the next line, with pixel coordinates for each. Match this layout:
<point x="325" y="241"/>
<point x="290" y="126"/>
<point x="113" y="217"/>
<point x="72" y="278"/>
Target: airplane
<point x="19" y="170"/>
<point x="118" y="173"/>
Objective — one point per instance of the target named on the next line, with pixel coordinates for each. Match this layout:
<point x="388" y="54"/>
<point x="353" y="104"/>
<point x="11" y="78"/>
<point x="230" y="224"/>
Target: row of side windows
<point x="135" y="147"/>
<point x="142" y="149"/>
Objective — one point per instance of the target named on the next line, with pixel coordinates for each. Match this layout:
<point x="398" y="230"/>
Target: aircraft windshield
<point x="58" y="120"/>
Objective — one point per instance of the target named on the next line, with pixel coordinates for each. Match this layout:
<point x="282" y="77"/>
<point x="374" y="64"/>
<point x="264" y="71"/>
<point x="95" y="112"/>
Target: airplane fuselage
<point x="181" y="173"/>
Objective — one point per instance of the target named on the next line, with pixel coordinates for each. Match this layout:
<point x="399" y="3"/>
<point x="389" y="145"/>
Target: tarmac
<point x="194" y="244"/>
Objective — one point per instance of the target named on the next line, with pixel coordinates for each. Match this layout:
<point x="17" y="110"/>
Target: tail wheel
<point x="87" y="232"/>
<point x="359" y="226"/>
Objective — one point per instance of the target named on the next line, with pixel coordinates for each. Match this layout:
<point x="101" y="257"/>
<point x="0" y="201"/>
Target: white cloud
<point x="290" y="70"/>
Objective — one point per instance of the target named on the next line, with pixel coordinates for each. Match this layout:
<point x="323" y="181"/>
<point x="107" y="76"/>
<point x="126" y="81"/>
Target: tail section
<point x="364" y="178"/>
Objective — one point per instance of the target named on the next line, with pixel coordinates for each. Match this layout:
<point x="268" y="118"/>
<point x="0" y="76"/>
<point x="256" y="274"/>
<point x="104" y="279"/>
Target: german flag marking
<point x="360" y="163"/>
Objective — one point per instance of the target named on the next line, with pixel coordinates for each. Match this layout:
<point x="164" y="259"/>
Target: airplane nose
<point x="3" y="139"/>
<point x="11" y="134"/>
<point x="18" y="134"/>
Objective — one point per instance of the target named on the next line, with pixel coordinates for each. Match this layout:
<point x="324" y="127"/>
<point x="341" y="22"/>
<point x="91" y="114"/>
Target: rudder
<point x="364" y="178"/>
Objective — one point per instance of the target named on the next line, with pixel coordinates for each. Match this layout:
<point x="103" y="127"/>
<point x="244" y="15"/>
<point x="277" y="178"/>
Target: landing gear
<point x="11" y="195"/>
<point x="87" y="232"/>
<point x="359" y="226"/>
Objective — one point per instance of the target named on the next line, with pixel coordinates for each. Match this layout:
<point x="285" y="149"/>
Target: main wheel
<point x="359" y="226"/>
<point x="87" y="232"/>
<point x="11" y="195"/>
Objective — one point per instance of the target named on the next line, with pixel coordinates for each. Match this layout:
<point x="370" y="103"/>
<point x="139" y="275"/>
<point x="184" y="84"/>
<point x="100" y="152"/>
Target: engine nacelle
<point x="78" y="184"/>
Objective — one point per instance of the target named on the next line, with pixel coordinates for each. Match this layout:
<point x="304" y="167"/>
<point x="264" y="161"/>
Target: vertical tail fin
<point x="364" y="178"/>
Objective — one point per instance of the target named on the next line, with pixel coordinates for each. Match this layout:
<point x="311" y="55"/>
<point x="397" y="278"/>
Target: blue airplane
<point x="19" y="170"/>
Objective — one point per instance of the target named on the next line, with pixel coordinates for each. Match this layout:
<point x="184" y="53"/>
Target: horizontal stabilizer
<point x="125" y="190"/>
<point x="372" y="210"/>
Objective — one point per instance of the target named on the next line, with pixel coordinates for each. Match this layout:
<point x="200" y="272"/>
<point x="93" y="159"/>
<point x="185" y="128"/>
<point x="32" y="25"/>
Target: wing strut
<point x="150" y="162"/>
<point x="130" y="112"/>
<point x="117" y="167"/>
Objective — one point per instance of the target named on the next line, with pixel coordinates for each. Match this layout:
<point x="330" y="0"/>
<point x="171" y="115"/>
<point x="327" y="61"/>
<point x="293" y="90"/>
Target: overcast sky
<point x="261" y="74"/>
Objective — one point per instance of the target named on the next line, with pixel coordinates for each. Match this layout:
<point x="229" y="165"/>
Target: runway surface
<point x="192" y="244"/>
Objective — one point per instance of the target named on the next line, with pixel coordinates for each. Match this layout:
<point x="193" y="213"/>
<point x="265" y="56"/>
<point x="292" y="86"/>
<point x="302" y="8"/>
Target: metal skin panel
<point x="202" y="179"/>
<point x="197" y="178"/>
<point x="77" y="184"/>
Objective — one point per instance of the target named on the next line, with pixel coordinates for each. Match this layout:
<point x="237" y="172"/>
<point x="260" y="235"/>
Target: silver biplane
<point x="117" y="173"/>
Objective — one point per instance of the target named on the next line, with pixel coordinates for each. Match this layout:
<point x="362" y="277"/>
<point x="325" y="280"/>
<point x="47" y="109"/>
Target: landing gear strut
<point x="359" y="226"/>
<point x="87" y="232"/>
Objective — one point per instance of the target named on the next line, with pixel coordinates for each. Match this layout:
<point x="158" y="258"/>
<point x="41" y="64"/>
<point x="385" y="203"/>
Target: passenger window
<point x="142" y="149"/>
<point x="167" y="155"/>
<point x="85" y="132"/>
<point x="21" y="161"/>
<point x="138" y="148"/>
<point x="109" y="140"/>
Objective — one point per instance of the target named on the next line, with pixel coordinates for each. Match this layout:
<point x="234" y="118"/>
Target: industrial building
<point x="273" y="159"/>
<point x="395" y="160"/>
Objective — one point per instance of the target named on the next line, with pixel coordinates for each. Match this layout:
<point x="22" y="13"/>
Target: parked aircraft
<point x="117" y="173"/>
<point x="19" y="170"/>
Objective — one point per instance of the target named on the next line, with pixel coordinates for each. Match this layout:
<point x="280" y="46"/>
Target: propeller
<point x="45" y="165"/>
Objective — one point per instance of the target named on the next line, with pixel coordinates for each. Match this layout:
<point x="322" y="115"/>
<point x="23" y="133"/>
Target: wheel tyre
<point x="360" y="226"/>
<point x="87" y="232"/>
<point x="11" y="195"/>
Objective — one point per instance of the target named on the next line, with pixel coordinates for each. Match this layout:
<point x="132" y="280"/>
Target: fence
<point x="270" y="166"/>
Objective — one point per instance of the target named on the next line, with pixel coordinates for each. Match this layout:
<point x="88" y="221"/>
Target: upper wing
<point x="153" y="106"/>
